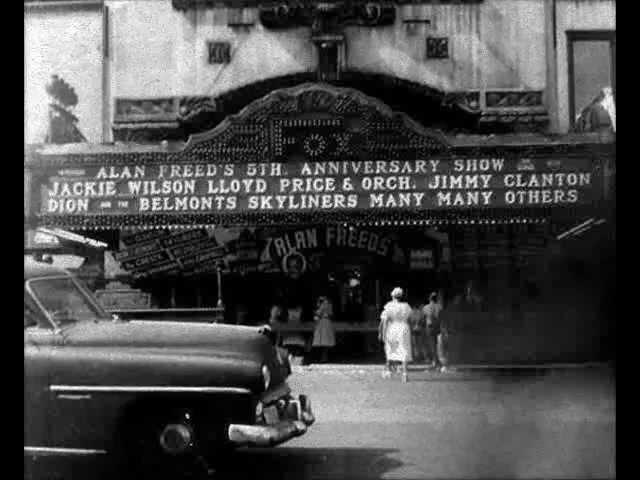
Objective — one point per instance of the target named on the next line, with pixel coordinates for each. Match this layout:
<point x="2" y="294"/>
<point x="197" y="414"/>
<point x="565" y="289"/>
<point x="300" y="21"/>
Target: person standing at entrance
<point x="431" y="313"/>
<point x="395" y="332"/>
<point x="324" y="335"/>
<point x="294" y="340"/>
<point x="420" y="345"/>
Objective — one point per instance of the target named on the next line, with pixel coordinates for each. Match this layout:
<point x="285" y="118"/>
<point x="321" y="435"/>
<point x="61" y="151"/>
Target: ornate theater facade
<point x="232" y="157"/>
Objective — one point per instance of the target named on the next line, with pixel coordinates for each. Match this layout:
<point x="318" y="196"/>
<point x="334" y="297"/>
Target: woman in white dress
<point x="324" y="335"/>
<point x="395" y="332"/>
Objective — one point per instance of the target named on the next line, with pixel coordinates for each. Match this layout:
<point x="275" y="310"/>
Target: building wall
<point x="65" y="41"/>
<point x="159" y="51"/>
<point x="492" y="44"/>
<point x="577" y="15"/>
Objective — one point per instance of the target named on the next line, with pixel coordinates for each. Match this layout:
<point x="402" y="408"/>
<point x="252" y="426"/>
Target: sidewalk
<point x="454" y="368"/>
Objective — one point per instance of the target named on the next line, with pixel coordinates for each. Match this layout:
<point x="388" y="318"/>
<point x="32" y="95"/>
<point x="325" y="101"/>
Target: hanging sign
<point x="159" y="252"/>
<point x="433" y="184"/>
<point x="294" y="264"/>
<point x="331" y="237"/>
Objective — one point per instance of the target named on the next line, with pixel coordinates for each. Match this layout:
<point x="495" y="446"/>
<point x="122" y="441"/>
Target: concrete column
<point x="106" y="75"/>
<point x="551" y="92"/>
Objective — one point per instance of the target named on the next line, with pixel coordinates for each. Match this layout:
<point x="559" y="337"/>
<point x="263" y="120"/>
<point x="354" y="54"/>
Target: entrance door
<point x="591" y="67"/>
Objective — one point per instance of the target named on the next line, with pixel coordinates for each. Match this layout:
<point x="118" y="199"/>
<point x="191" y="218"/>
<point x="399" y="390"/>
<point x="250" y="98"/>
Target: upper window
<point x="592" y="77"/>
<point x="329" y="54"/>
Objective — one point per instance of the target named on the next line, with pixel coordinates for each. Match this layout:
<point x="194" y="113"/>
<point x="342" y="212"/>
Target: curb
<point x="454" y="368"/>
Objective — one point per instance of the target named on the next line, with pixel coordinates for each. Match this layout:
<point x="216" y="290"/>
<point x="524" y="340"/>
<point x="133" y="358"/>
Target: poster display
<point x="292" y="251"/>
<point x="154" y="252"/>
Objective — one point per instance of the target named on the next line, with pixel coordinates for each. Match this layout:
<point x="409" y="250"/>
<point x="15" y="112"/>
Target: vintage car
<point x="149" y="396"/>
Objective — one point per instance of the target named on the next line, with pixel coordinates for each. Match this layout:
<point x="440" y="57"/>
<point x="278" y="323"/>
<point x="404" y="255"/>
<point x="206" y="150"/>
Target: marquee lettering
<point x="442" y="183"/>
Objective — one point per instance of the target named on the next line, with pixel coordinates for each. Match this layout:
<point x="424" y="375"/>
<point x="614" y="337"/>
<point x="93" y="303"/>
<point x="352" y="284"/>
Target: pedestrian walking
<point x="431" y="313"/>
<point x="324" y="334"/>
<point x="395" y="332"/>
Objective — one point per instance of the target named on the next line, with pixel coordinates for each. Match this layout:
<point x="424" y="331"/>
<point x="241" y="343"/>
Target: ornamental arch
<point x="431" y="107"/>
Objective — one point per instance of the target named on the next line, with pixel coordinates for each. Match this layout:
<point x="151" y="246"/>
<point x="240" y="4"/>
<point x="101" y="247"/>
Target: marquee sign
<point x="313" y="150"/>
<point x="425" y="184"/>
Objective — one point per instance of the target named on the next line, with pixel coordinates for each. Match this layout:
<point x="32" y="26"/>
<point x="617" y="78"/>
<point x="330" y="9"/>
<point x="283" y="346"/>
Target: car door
<point x="37" y="338"/>
<point x="48" y="452"/>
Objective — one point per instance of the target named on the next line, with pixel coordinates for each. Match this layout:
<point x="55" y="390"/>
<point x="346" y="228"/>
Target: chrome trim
<point x="145" y="389"/>
<point x="275" y="393"/>
<point x="63" y="451"/>
<point x="265" y="435"/>
<point x="63" y="396"/>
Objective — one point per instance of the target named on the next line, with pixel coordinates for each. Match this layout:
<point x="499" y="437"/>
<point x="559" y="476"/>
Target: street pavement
<point x="549" y="423"/>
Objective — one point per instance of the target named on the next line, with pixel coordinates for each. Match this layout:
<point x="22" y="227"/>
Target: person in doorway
<point x="469" y="299"/>
<point x="419" y="346"/>
<point x="242" y="314"/>
<point x="431" y="312"/>
<point x="275" y="314"/>
<point x="294" y="341"/>
<point x="324" y="334"/>
<point x="275" y="318"/>
<point x="395" y="332"/>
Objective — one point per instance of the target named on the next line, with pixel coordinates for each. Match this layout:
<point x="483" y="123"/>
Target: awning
<point x="56" y="239"/>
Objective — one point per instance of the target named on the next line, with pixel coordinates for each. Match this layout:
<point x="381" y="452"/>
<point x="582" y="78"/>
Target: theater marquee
<point x="308" y="186"/>
<point x="312" y="153"/>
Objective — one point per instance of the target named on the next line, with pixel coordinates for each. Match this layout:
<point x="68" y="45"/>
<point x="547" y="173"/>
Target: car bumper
<point x="282" y="421"/>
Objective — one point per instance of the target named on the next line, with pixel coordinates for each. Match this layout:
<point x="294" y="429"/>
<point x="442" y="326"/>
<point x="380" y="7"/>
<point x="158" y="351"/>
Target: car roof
<point x="35" y="269"/>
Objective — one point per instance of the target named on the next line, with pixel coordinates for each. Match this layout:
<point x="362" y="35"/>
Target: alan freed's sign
<point x="451" y="183"/>
<point x="329" y="237"/>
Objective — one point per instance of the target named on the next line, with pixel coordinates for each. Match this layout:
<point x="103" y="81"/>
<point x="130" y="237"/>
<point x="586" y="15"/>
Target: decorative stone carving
<point x="219" y="52"/>
<point x="514" y="99"/>
<point x="437" y="47"/>
<point x="314" y="121"/>
<point x="469" y="101"/>
<point x="327" y="18"/>
<point x="189" y="107"/>
<point x="184" y="5"/>
<point x="145" y="109"/>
